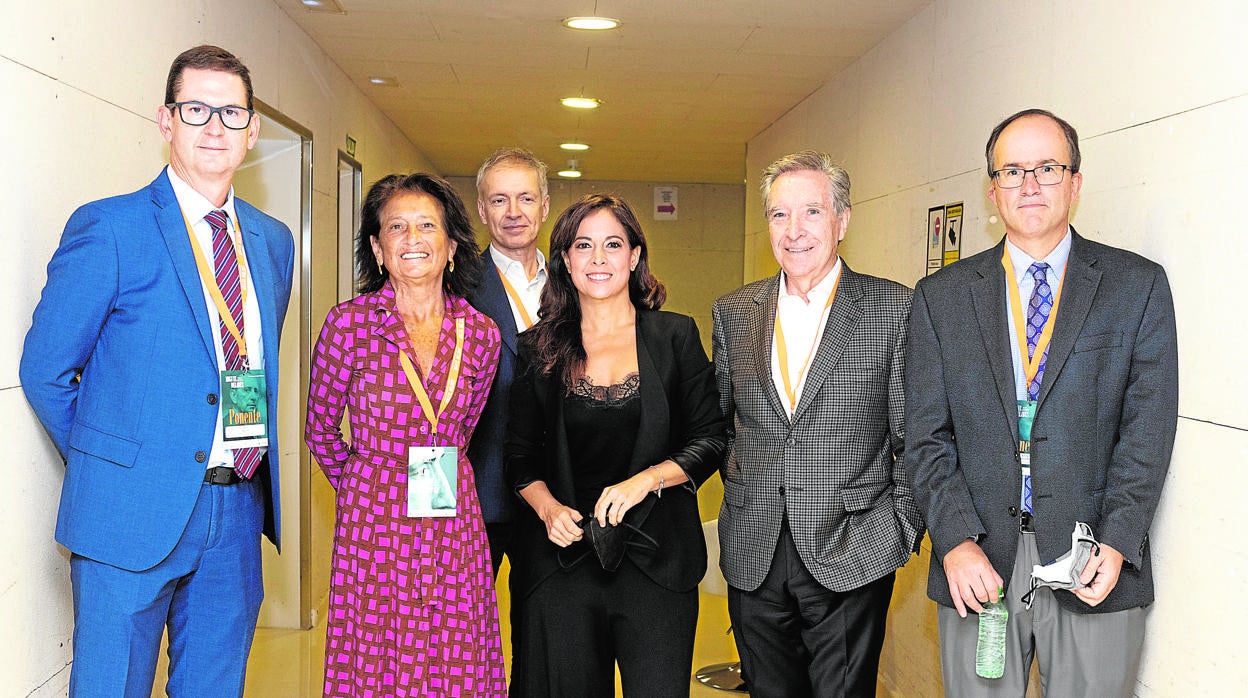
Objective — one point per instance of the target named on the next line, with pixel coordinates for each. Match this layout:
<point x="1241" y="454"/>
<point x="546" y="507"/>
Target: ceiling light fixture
<point x="580" y="102"/>
<point x="329" y="6"/>
<point x="574" y="145"/>
<point x="591" y="23"/>
<point x="572" y="172"/>
<point x="383" y="81"/>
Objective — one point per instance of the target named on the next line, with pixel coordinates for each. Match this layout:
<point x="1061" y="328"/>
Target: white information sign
<point x="665" y="203"/>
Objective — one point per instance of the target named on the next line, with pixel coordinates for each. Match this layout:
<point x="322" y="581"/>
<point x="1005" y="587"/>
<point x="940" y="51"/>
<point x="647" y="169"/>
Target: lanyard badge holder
<point x="432" y="471"/>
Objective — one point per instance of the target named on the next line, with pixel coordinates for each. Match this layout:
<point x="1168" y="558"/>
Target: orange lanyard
<point x="426" y="405"/>
<point x="790" y="388"/>
<point x="209" y="278"/>
<point x="515" y="299"/>
<point x="1031" y="365"/>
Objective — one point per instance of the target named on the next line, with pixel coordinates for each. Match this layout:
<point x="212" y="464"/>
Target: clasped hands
<point x="563" y="523"/>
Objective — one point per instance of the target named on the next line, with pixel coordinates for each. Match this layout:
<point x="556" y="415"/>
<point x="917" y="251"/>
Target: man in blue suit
<point x="157" y="304"/>
<point x="513" y="202"/>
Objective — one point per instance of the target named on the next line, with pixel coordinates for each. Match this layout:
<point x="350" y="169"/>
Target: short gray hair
<point x="813" y="161"/>
<point x="513" y="156"/>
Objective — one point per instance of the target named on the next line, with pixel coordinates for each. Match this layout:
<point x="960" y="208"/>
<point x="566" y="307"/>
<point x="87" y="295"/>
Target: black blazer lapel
<point x="845" y="313"/>
<point x="989" y="299"/>
<point x="655" y="423"/>
<point x="491" y="298"/>
<point x="1079" y="285"/>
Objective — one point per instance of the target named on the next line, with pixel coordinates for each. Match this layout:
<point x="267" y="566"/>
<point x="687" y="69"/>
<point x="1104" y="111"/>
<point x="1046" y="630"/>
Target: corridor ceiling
<point x="684" y="84"/>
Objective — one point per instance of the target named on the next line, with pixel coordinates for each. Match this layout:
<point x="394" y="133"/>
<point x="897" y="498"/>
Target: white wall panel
<point x="1158" y="93"/>
<point x="35" y="599"/>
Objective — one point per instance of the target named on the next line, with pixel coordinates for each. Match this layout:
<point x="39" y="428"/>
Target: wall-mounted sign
<point x="953" y="233"/>
<point x="943" y="235"/>
<point x="665" y="203"/>
<point x="350" y="146"/>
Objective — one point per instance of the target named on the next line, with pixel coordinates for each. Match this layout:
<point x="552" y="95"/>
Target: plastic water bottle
<point x="990" y="650"/>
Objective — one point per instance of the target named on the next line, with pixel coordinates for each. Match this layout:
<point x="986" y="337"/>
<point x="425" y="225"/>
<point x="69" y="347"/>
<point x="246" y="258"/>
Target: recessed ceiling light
<point x="330" y="6"/>
<point x="383" y="81"/>
<point x="591" y="23"/>
<point x="580" y="102"/>
<point x="574" y="146"/>
<point x="572" y="172"/>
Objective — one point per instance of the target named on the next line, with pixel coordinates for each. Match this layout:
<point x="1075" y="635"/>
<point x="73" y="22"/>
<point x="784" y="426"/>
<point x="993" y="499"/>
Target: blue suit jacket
<point x="485" y="453"/>
<point x="120" y="367"/>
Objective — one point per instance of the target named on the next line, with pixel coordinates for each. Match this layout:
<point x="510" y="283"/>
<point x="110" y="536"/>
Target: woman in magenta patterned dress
<point x="412" y="610"/>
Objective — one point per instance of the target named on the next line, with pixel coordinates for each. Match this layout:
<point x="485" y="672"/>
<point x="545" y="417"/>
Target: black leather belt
<point x="221" y="475"/>
<point x="1026" y="523"/>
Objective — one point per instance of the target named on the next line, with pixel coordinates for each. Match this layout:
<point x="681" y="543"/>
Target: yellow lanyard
<point x="1031" y="365"/>
<point x="419" y="388"/>
<point x="515" y="298"/>
<point x="209" y="278"/>
<point x="790" y="388"/>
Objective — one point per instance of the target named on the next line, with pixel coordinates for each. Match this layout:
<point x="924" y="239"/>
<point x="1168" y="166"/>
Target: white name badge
<point x="432" y="475"/>
<point x="244" y="409"/>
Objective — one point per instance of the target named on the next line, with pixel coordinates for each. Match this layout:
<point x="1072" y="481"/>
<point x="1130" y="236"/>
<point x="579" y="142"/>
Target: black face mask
<point x="611" y="542"/>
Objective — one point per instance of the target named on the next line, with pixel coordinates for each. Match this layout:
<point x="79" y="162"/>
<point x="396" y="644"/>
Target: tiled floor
<point x="289" y="663"/>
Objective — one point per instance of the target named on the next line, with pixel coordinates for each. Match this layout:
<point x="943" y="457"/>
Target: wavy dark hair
<point x="455" y="222"/>
<point x="556" y="337"/>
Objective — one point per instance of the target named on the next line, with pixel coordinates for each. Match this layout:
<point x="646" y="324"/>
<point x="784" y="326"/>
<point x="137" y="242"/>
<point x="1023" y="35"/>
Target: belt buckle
<point x="1026" y="522"/>
<point x="222" y="475"/>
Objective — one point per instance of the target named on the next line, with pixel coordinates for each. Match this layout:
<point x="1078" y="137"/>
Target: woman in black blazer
<point x="615" y="422"/>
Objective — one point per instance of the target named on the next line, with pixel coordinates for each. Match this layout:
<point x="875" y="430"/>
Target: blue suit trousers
<point x="207" y="592"/>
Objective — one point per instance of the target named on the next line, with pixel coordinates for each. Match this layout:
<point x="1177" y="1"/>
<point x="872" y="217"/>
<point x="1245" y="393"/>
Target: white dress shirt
<point x="194" y="208"/>
<point x="530" y="292"/>
<point x="803" y="322"/>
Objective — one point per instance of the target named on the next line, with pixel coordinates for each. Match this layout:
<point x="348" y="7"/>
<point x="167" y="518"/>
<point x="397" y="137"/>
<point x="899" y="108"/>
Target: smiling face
<point x="206" y="156"/>
<point x="511" y="205"/>
<point x="1035" y="216"/>
<point x="600" y="260"/>
<point x="805" y="228"/>
<point x="413" y="244"/>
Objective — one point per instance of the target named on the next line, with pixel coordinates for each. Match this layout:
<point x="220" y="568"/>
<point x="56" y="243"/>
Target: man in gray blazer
<point x="817" y="512"/>
<point x="1074" y="342"/>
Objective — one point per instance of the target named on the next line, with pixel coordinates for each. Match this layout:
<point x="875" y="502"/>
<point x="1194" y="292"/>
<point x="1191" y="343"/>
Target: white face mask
<point x="1063" y="573"/>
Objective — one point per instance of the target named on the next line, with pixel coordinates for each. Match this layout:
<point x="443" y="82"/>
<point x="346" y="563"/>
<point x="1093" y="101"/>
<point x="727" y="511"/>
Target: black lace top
<point x="601" y="423"/>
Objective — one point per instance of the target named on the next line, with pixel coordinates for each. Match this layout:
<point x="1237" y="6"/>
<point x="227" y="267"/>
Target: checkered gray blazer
<point x="836" y="467"/>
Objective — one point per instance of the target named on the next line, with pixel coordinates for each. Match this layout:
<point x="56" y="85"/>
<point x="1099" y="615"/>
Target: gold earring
<point x="379" y="269"/>
<point x="451" y="265"/>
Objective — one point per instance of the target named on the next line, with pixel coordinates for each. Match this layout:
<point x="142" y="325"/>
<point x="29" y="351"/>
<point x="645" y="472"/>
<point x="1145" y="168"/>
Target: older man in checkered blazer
<point x="817" y="513"/>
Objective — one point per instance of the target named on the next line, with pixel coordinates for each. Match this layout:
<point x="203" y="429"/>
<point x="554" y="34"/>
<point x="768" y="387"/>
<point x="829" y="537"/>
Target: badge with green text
<point x="244" y="409"/>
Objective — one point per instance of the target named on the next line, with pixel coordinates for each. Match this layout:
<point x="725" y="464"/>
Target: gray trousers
<point x="1079" y="654"/>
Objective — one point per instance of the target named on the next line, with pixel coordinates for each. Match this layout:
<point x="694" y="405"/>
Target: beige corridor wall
<point x="1159" y="93"/>
<point x="82" y="82"/>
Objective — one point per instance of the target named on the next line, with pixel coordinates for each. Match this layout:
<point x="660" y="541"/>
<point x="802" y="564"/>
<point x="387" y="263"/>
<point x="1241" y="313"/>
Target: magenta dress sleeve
<point x="328" y="388"/>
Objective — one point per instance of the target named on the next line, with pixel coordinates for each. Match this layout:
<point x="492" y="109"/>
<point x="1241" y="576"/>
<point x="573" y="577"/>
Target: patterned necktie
<point x="1037" y="315"/>
<point x="225" y="261"/>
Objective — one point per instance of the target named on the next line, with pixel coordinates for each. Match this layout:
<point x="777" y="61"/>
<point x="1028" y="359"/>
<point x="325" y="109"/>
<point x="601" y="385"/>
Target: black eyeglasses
<point x="197" y="114"/>
<point x="1046" y="175"/>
